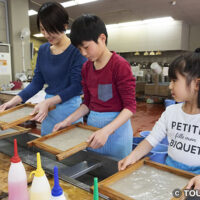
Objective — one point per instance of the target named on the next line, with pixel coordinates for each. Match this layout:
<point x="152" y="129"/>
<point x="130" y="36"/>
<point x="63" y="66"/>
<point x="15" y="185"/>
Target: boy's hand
<point x="124" y="163"/>
<point x="61" y="125"/>
<point x="195" y="182"/>
<point x="98" y="139"/>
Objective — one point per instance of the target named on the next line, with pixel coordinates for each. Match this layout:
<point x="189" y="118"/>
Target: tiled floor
<point x="146" y="116"/>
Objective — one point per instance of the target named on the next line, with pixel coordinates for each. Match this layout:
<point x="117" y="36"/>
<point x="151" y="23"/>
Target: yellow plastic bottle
<point x="40" y="189"/>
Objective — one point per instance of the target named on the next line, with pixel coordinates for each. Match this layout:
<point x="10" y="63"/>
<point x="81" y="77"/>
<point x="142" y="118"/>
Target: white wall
<point x="3" y="23"/>
<point x="194" y="40"/>
<point x="18" y="19"/>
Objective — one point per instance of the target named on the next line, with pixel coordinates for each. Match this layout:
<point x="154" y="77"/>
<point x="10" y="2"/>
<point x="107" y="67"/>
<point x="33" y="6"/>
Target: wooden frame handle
<point x="71" y="151"/>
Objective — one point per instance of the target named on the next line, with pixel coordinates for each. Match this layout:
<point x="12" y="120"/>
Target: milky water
<point x="7" y="131"/>
<point x="69" y="138"/>
<point x="17" y="114"/>
<point x="149" y="183"/>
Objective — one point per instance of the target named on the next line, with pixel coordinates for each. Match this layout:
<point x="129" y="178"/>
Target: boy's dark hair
<point x="87" y="27"/>
<point x="53" y="17"/>
<point x="188" y="65"/>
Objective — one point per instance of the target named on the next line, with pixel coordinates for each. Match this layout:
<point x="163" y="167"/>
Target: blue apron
<point x="61" y="112"/>
<point x="194" y="169"/>
<point x="119" y="144"/>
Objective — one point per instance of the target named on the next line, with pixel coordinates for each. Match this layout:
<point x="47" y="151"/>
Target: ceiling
<point x="116" y="11"/>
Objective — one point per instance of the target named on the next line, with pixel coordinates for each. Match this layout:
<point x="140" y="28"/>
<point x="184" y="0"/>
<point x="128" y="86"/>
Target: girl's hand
<point x="41" y="111"/>
<point x="124" y="163"/>
<point x="195" y="182"/>
<point x="61" y="125"/>
<point x="98" y="139"/>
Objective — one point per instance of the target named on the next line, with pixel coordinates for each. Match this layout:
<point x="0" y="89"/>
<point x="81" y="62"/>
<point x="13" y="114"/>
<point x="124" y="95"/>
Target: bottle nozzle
<point x="15" y="158"/>
<point x="57" y="190"/>
<point x="56" y="180"/>
<point x="96" y="193"/>
<point x="39" y="171"/>
<point x="39" y="165"/>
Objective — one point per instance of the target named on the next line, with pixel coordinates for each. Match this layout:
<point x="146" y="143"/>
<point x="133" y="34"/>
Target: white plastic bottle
<point x="40" y="189"/>
<point x="17" y="179"/>
<point x="57" y="192"/>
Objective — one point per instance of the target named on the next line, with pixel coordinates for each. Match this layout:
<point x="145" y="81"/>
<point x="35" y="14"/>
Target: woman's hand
<point x="13" y="102"/>
<point x="61" y="125"/>
<point x="124" y="163"/>
<point x="98" y="139"/>
<point x="5" y="106"/>
<point x="194" y="182"/>
<point x="41" y="111"/>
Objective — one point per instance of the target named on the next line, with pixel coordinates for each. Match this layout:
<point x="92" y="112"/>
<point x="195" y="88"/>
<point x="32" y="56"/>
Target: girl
<point x="58" y="65"/>
<point x="109" y="90"/>
<point x="180" y="122"/>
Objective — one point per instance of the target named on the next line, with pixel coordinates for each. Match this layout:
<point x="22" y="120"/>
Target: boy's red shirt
<point x="111" y="88"/>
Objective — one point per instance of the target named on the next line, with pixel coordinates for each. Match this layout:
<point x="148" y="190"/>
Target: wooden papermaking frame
<point x="60" y="155"/>
<point x="6" y="125"/>
<point x="19" y="130"/>
<point x="115" y="195"/>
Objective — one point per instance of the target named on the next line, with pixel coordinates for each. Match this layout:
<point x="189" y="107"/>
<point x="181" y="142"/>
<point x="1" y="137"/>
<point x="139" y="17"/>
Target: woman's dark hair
<point x="188" y="65"/>
<point x="86" y="28"/>
<point x="53" y="17"/>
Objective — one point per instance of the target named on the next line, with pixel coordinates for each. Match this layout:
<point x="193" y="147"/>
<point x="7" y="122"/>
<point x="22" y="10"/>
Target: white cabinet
<point x="168" y="36"/>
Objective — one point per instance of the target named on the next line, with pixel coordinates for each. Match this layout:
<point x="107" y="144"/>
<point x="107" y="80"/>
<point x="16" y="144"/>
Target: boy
<point x="109" y="90"/>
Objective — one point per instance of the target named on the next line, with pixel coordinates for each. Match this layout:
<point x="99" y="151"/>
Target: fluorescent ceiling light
<point x="158" y="20"/>
<point x="84" y="1"/>
<point x="75" y="2"/>
<point x="32" y="12"/>
<point x="38" y="35"/>
<point x="112" y="26"/>
<point x="136" y="23"/>
<point x="68" y="4"/>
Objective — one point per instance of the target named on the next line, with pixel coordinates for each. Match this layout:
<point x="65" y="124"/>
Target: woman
<point x="58" y="65"/>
